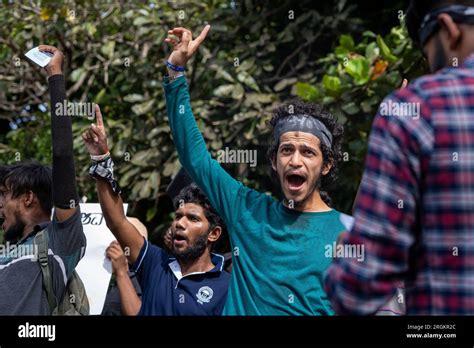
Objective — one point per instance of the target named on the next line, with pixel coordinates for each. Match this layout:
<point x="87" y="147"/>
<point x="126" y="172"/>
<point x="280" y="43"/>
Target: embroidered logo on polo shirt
<point x="204" y="294"/>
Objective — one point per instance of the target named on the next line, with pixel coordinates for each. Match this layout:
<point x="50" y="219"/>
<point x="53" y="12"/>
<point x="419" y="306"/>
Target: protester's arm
<point x="95" y="139"/>
<point x="221" y="189"/>
<point x="65" y="197"/>
<point x="112" y="208"/>
<point x="385" y="214"/>
<point x="129" y="300"/>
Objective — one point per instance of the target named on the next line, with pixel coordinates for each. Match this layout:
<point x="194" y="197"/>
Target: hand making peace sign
<point x="184" y="49"/>
<point x="95" y="137"/>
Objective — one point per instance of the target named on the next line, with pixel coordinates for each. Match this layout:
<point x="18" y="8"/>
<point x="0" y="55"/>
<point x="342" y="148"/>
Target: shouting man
<point x="279" y="248"/>
<point x="191" y="281"/>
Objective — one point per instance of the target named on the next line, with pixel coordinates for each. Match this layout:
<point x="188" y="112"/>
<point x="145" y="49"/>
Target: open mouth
<point x="295" y="181"/>
<point x="179" y="239"/>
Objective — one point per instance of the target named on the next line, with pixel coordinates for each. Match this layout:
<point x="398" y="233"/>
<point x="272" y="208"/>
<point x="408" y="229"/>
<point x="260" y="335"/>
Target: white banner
<point x="95" y="269"/>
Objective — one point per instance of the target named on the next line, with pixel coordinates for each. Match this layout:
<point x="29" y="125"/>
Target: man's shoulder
<point x="68" y="230"/>
<point x="436" y="85"/>
<point x="225" y="276"/>
<point x="156" y="252"/>
<point x="152" y="255"/>
<point x="74" y="221"/>
<point x="219" y="262"/>
<point x="341" y="220"/>
<point x="11" y="254"/>
<point x="256" y="198"/>
<point x="248" y="191"/>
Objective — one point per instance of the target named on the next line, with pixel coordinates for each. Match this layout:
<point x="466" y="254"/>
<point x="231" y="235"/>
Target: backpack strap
<point x="41" y="241"/>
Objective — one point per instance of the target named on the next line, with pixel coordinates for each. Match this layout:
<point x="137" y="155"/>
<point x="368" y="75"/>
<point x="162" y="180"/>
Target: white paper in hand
<point x="38" y="57"/>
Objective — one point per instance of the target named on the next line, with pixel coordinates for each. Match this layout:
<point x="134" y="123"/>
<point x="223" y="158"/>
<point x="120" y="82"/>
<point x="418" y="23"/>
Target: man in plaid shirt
<point x="415" y="211"/>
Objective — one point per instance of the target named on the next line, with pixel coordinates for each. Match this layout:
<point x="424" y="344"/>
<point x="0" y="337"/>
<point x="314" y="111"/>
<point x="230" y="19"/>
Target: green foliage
<point x="257" y="55"/>
<point x="358" y="76"/>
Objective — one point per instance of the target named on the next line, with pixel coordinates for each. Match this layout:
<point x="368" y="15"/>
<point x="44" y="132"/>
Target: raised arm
<point x="129" y="300"/>
<point x="111" y="203"/>
<point x="221" y="189"/>
<point x="65" y="197"/>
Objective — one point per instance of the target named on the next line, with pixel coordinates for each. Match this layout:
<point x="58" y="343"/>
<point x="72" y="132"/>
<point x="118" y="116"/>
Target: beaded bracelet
<point x="101" y="158"/>
<point x="174" y="67"/>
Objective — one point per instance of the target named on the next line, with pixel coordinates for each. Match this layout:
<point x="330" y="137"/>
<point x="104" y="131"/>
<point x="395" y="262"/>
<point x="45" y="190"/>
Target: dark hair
<point x="3" y="172"/>
<point x="330" y="155"/>
<point x="30" y="176"/>
<point x="418" y="9"/>
<point x="193" y="194"/>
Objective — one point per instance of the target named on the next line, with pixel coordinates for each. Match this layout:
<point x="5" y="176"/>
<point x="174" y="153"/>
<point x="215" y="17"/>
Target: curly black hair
<point x="193" y="194"/>
<point x="330" y="155"/>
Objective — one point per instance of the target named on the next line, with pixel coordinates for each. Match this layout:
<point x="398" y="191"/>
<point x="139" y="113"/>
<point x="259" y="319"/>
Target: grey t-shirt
<point x="21" y="280"/>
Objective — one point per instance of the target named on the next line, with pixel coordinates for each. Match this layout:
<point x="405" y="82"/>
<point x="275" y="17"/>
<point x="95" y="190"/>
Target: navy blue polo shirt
<point x="166" y="292"/>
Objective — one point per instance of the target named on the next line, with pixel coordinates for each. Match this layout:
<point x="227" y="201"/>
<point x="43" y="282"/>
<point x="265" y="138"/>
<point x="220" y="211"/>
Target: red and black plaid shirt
<point x="415" y="210"/>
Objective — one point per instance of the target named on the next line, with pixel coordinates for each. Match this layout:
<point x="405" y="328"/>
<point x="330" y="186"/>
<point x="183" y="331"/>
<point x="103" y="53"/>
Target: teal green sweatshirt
<point x="279" y="255"/>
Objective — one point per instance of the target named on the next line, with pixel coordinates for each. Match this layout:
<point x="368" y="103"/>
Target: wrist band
<point x="100" y="158"/>
<point x="105" y="170"/>
<point x="174" y="67"/>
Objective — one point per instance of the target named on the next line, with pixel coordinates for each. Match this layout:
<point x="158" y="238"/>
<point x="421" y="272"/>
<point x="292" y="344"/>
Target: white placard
<point x="38" y="57"/>
<point x="95" y="269"/>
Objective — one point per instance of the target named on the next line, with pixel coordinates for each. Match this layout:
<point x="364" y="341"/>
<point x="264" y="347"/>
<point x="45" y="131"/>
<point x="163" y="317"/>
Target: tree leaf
<point x="224" y="90"/>
<point x="347" y="42"/>
<point x="331" y="83"/>
<point x="306" y="91"/>
<point x="350" y="108"/>
<point x="385" y="50"/>
<point x="108" y="49"/>
<point x="282" y="84"/>
<point x="133" y="98"/>
<point x="358" y="69"/>
<point x="143" y="108"/>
